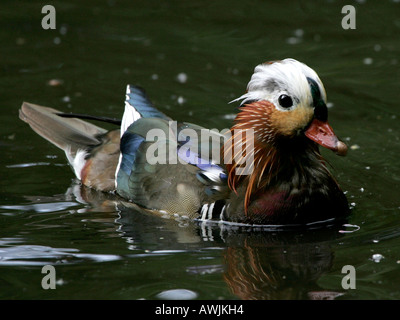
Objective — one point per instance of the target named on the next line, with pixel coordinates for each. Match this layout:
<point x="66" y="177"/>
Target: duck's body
<point x="283" y="117"/>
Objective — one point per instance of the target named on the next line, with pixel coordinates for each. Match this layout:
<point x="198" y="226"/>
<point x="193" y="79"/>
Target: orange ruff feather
<point x="265" y="164"/>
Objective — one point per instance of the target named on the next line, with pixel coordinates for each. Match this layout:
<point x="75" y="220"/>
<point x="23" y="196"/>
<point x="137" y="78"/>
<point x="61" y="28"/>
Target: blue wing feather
<point x="130" y="143"/>
<point x="137" y="98"/>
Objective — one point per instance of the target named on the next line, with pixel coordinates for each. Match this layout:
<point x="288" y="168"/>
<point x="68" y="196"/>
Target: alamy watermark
<point x="202" y="147"/>
<point x="349" y="20"/>
<point x="349" y="280"/>
<point x="49" y="20"/>
<point x="49" y="280"/>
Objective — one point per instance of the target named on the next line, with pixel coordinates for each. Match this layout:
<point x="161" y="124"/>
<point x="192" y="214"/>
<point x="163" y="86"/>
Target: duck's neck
<point x="282" y="165"/>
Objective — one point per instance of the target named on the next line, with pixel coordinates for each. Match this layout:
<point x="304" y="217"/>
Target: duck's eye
<point x="285" y="101"/>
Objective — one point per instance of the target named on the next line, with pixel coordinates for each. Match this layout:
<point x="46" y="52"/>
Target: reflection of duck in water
<point x="275" y="263"/>
<point x="281" y="122"/>
<point x="279" y="266"/>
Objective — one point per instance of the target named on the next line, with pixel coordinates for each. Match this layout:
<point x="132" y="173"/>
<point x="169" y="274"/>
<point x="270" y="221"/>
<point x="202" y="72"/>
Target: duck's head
<point x="286" y="99"/>
<point x="285" y="106"/>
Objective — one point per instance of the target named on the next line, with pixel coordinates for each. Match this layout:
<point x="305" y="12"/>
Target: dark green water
<point x="100" y="251"/>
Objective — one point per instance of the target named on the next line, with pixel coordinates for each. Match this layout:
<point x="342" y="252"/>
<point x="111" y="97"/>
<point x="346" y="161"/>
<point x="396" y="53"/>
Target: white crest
<point x="289" y="77"/>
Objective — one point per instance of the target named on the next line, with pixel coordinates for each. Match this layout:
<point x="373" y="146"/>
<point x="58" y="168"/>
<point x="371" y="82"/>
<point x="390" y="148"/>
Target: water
<point x="193" y="59"/>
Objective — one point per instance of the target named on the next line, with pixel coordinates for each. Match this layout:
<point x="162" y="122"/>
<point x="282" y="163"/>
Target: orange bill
<point x="322" y="133"/>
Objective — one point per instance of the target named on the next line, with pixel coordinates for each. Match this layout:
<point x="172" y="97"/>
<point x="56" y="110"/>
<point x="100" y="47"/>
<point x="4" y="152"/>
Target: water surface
<point x="193" y="58"/>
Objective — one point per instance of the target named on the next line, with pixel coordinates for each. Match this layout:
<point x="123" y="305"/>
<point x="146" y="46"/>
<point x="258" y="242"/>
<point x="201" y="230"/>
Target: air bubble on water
<point x="235" y="71"/>
<point x="229" y="116"/>
<point x="66" y="99"/>
<point x="293" y="40"/>
<point x="63" y="30"/>
<point x="177" y="294"/>
<point x="182" y="77"/>
<point x="55" y="82"/>
<point x="299" y="33"/>
<point x="368" y="61"/>
<point x="377" y="257"/>
<point x="181" y="100"/>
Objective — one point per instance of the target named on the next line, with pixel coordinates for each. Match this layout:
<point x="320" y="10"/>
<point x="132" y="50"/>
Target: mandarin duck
<point x="266" y="169"/>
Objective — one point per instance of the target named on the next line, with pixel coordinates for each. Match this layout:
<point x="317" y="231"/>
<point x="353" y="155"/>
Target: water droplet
<point x="66" y="99"/>
<point x="368" y="61"/>
<point x="299" y="32"/>
<point x="293" y="40"/>
<point x="377" y="257"/>
<point x="181" y="100"/>
<point x="63" y="30"/>
<point x="177" y="294"/>
<point x="229" y="116"/>
<point x="182" y="77"/>
<point x="55" y="82"/>
<point x="57" y="40"/>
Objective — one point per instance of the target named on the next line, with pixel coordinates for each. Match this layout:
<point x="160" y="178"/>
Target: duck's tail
<point x="68" y="134"/>
<point x="86" y="145"/>
<point x="74" y="136"/>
